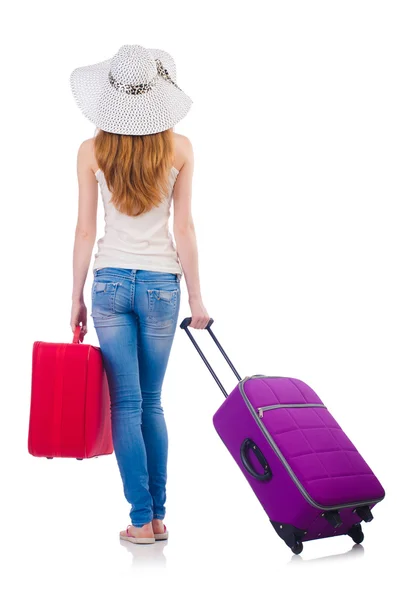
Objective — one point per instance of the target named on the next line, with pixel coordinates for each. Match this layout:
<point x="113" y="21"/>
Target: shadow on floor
<point x="357" y="551"/>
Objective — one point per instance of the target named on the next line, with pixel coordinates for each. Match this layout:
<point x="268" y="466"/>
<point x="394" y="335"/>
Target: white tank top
<point x="140" y="242"/>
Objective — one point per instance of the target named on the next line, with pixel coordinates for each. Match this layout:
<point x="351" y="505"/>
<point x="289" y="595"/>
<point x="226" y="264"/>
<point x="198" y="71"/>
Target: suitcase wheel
<point x="291" y="535"/>
<point x="297" y="547"/>
<point x="50" y="457"/>
<point x="364" y="512"/>
<point x="356" y="533"/>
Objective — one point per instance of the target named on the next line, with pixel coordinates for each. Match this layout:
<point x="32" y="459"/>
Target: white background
<point x="294" y="131"/>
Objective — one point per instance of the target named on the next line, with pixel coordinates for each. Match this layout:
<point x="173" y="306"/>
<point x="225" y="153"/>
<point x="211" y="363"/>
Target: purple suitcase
<point x="306" y="473"/>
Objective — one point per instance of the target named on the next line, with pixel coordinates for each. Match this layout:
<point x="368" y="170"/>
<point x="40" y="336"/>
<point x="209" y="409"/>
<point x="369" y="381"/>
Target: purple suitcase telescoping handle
<point x="184" y="325"/>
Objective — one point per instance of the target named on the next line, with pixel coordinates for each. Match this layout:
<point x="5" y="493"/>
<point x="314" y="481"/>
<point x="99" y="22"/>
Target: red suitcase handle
<point x="76" y="334"/>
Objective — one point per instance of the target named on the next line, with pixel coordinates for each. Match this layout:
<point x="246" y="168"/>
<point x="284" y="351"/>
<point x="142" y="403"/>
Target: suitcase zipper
<point x="263" y="409"/>
<point x="285" y="463"/>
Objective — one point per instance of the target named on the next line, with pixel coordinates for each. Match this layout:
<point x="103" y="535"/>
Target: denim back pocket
<point x="103" y="298"/>
<point x="163" y="306"/>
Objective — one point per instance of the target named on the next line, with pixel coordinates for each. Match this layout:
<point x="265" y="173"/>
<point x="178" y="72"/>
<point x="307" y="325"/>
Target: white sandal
<point x="136" y="540"/>
<point x="161" y="536"/>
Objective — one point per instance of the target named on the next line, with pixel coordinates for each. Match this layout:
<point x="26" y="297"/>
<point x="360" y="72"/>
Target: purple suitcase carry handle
<point x="247" y="445"/>
<point x="184" y="325"/>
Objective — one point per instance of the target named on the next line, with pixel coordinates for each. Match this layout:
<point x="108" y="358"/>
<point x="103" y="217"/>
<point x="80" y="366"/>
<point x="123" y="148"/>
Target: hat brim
<point x="115" y="111"/>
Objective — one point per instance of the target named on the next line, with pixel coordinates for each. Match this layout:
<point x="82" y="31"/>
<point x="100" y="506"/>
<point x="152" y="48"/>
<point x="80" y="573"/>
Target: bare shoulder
<point x="183" y="150"/>
<point x="86" y="155"/>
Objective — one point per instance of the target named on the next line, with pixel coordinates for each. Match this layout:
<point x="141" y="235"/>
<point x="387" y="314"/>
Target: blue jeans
<point x="135" y="314"/>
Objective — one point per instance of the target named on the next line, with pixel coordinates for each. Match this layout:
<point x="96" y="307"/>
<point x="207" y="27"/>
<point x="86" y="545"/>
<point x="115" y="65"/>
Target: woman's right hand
<point x="200" y="316"/>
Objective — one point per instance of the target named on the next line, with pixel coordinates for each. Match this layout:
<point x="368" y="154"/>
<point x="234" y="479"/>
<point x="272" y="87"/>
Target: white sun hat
<point x="133" y="93"/>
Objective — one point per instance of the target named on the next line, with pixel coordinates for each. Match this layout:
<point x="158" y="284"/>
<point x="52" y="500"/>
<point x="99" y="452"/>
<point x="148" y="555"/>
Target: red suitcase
<point x="70" y="403"/>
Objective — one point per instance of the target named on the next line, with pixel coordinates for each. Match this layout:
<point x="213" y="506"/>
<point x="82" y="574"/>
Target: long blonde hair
<point x="136" y="168"/>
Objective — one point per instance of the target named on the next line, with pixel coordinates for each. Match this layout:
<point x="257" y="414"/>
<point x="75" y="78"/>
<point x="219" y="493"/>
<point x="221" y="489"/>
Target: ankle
<point x="144" y="526"/>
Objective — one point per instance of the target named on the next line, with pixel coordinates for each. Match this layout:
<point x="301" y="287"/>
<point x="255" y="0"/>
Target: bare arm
<point x="185" y="237"/>
<point x="85" y="232"/>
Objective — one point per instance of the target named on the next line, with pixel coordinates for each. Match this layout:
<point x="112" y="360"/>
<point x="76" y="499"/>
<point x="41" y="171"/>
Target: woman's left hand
<point x="79" y="315"/>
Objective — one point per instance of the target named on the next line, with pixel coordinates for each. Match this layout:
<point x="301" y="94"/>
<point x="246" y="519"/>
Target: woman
<point x="140" y="164"/>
